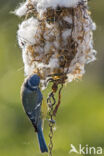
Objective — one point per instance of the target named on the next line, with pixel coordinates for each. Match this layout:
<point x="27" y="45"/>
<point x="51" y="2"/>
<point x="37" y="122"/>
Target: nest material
<point x="59" y="42"/>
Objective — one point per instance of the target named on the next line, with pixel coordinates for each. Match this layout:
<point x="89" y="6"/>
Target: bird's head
<point x="34" y="81"/>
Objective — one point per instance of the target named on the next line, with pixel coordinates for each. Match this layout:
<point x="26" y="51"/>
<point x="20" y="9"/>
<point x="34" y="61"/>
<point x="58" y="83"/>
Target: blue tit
<point x="32" y="101"/>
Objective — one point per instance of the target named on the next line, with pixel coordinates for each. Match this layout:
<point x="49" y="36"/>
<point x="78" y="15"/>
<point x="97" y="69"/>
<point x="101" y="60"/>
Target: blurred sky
<point x="81" y="115"/>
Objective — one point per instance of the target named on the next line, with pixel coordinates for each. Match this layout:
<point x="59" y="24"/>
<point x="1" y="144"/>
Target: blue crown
<point x="34" y="80"/>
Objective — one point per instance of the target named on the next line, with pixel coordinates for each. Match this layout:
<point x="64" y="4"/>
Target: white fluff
<point x="27" y="31"/>
<point x="66" y="33"/>
<point x="42" y="4"/>
<point x="21" y="11"/>
<point x="54" y="63"/>
<point x="68" y="19"/>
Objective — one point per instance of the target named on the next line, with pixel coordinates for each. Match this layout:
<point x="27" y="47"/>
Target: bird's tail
<point x="42" y="144"/>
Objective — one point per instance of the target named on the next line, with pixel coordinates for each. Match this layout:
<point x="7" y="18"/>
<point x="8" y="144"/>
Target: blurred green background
<point x="80" y="119"/>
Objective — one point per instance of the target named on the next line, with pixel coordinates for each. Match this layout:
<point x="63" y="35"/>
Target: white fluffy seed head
<point x="40" y="41"/>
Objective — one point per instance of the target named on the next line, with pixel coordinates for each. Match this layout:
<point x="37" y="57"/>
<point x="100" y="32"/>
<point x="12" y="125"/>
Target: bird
<point x="32" y="101"/>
